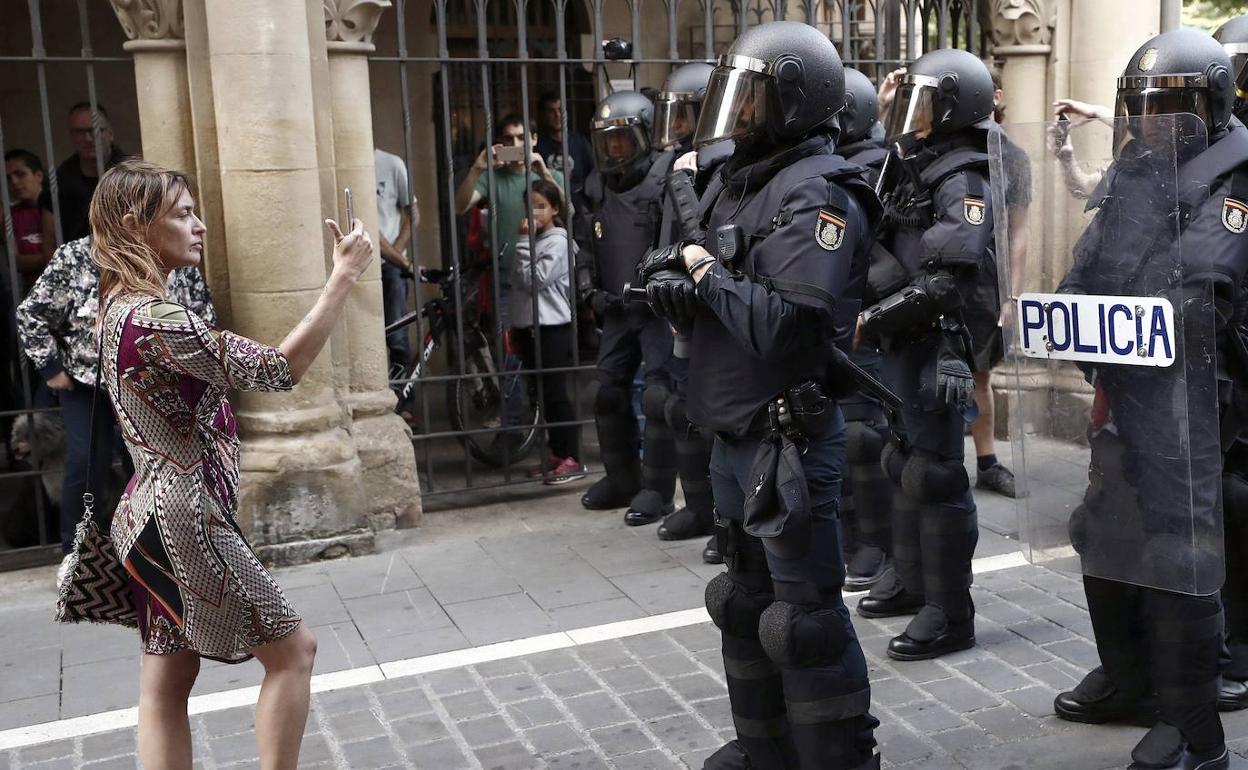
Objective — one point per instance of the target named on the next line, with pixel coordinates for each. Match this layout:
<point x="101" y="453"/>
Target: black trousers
<point x="556" y="347"/>
<point x="809" y="707"/>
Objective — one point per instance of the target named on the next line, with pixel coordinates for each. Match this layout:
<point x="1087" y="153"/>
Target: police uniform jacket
<point x="808" y="218"/>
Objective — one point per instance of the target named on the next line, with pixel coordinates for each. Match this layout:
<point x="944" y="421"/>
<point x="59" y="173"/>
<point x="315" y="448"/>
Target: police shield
<point x="1108" y="323"/>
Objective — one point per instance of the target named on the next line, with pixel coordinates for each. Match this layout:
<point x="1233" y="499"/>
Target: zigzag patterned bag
<point x="96" y="586"/>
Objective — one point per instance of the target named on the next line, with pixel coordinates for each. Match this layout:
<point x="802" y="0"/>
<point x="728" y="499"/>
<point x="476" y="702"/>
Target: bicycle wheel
<point x="485" y="398"/>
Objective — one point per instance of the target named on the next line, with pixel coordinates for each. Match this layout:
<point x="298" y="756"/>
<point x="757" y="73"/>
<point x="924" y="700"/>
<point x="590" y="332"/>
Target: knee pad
<point x="676" y="416"/>
<point x="932" y="480"/>
<point x="654" y="401"/>
<point x="864" y="443"/>
<point x="893" y="461"/>
<point x="795" y="637"/>
<point x="612" y="399"/>
<point x="735" y="611"/>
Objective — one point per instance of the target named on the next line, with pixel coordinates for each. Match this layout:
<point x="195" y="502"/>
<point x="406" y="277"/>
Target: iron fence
<point x="41" y="57"/>
<point x="491" y="56"/>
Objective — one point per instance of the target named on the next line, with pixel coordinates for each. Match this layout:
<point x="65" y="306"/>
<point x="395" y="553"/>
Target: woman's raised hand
<point x="352" y="252"/>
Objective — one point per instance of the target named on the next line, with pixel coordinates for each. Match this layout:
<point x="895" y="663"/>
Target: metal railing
<point x="29" y="533"/>
<point x="492" y="55"/>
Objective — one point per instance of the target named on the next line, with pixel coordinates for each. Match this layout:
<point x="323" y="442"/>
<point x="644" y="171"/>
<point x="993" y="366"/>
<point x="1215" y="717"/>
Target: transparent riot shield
<point x="1109" y="374"/>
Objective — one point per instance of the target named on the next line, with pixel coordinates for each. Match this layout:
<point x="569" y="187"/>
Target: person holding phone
<point x="507" y="154"/>
<point x="197" y="588"/>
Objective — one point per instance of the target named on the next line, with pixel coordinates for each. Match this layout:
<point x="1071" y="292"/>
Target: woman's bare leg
<point x="282" y="710"/>
<point x="165" y="683"/>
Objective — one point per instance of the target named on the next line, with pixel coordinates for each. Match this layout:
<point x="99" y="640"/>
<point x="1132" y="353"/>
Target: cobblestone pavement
<point x="649" y="700"/>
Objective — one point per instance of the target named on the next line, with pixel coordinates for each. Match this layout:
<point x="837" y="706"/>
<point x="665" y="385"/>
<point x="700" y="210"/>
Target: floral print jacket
<point x="56" y="321"/>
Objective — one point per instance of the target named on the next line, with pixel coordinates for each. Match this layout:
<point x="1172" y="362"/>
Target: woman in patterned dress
<point x="198" y="589"/>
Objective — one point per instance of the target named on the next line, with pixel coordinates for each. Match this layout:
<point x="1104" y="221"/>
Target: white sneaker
<point x="63" y="570"/>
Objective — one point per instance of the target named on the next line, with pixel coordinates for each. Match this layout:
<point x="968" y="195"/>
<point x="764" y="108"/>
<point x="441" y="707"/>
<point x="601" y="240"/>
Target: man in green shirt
<point x="508" y="205"/>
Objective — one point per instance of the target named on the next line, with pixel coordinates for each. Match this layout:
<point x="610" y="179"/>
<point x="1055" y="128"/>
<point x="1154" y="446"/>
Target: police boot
<point x="867" y="566"/>
<point x="710" y="553"/>
<point x="1217" y="758"/>
<point x="647" y="507"/>
<point x="735" y="601"/>
<point x="1162" y="746"/>
<point x="1232" y="694"/>
<point x="685" y="524"/>
<point x="889" y="599"/>
<point x="868" y="560"/>
<point x="730" y="756"/>
<point x="617" y="437"/>
<point x="899" y="592"/>
<point x="1185" y="637"/>
<point x="693" y="461"/>
<point x="658" y="461"/>
<point x="604" y="495"/>
<point x="932" y="634"/>
<point x="1096" y="701"/>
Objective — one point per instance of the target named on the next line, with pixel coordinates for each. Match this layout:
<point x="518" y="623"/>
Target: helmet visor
<point x="618" y="147"/>
<point x="675" y="118"/>
<point x="912" y="111"/>
<point x="735" y="105"/>
<point x="1139" y="105"/>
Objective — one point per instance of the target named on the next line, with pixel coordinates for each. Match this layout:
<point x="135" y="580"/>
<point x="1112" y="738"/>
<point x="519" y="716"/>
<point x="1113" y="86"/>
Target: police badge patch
<point x="597" y="228"/>
<point x="973" y="210"/>
<point x="1234" y="215"/>
<point x="829" y="231"/>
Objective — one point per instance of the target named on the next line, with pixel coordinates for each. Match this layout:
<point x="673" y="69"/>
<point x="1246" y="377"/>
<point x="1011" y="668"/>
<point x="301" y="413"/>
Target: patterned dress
<point x="196" y="583"/>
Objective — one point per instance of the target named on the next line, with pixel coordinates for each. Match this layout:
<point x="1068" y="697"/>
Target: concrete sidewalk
<point x="529" y="570"/>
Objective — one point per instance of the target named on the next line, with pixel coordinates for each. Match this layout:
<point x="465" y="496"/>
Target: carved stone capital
<point x="1023" y="24"/>
<point x="350" y="24"/>
<point x="151" y="24"/>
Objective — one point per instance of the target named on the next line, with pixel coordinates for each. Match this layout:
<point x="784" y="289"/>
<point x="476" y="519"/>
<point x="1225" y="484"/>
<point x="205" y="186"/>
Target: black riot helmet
<point x="943" y="92"/>
<point x="1233" y="36"/>
<point x="1178" y="72"/>
<point x="621" y="131"/>
<point x="862" y="108"/>
<point x="676" y="109"/>
<point x="778" y="82"/>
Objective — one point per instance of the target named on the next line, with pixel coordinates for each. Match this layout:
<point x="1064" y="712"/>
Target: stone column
<point x="157" y="40"/>
<point x="382" y="439"/>
<point x="302" y="490"/>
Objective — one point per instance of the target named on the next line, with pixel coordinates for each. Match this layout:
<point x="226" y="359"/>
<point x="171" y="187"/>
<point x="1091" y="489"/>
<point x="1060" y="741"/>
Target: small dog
<point x="46" y="431"/>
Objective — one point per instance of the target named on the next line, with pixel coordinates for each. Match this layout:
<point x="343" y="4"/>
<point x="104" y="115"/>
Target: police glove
<point x="665" y="259"/>
<point x="673" y="296"/>
<point x="954" y="383"/>
<point x="601" y="302"/>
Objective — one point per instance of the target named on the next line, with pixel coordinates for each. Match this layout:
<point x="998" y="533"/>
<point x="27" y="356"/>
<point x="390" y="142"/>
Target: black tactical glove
<point x="601" y="302"/>
<point x="955" y="385"/>
<point x="668" y="285"/>
<point x="673" y="296"/>
<point x="659" y="260"/>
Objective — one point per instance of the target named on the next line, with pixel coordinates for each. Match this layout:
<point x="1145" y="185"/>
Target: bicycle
<point x="478" y="393"/>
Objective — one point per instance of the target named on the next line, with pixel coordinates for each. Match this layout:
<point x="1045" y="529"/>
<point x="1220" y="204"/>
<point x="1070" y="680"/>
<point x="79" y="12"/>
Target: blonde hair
<point x="128" y="263"/>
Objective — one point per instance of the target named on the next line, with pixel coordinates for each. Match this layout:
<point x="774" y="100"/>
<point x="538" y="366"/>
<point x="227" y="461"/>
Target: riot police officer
<point x="788" y="225"/>
<point x="1233" y="35"/>
<point x="623" y="195"/>
<point x="937" y="232"/>
<point x="1159" y="649"/>
<point x="862" y="134"/>
<point x="676" y="116"/>
<point x="867" y="503"/>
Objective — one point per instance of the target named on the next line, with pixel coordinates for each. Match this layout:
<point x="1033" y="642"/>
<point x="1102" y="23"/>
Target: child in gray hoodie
<point x="540" y="284"/>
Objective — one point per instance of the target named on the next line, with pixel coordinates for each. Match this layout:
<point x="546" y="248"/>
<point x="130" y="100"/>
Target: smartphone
<point x="512" y="153"/>
<point x="1063" y="129"/>
<point x="346" y="192"/>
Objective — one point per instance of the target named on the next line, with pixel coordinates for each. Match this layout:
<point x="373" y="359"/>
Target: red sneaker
<point x="547" y="465"/>
<point x="568" y="469"/>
